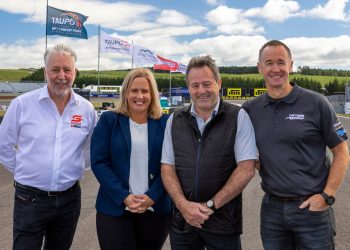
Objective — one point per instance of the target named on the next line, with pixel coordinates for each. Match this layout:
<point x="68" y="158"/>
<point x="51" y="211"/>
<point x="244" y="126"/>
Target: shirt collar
<point x="44" y="94"/>
<point x="290" y="98"/>
<point x="215" y="110"/>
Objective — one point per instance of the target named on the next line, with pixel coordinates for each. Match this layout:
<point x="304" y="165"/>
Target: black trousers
<point x="41" y="215"/>
<point x="200" y="240"/>
<point x="131" y="231"/>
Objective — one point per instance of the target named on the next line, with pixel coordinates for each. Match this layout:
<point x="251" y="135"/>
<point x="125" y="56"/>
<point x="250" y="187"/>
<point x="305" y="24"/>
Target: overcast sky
<point x="318" y="32"/>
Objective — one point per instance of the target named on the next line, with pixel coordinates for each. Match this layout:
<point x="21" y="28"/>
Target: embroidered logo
<point x="76" y="121"/>
<point x="339" y="128"/>
<point x="295" y="117"/>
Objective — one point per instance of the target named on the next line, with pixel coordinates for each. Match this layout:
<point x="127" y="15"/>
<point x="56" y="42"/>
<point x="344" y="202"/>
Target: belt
<point x="46" y="193"/>
<point x="289" y="199"/>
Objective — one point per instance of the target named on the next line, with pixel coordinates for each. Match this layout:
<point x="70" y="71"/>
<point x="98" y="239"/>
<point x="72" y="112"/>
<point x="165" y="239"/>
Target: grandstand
<point x="19" y="87"/>
<point x="9" y="90"/>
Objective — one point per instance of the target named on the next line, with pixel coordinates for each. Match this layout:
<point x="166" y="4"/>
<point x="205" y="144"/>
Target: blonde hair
<point x="154" y="110"/>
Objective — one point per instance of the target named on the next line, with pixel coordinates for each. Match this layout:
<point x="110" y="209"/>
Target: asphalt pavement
<point x="86" y="238"/>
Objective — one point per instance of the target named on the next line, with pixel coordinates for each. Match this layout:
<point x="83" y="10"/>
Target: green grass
<point x="17" y="74"/>
<point x="13" y="75"/>
<point x="122" y="74"/>
<point x="107" y="73"/>
<point x="322" y="79"/>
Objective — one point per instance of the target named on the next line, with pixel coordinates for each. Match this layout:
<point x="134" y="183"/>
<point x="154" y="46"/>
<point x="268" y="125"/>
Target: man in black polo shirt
<point x="293" y="127"/>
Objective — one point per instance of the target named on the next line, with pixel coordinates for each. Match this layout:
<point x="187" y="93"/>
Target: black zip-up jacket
<point x="204" y="163"/>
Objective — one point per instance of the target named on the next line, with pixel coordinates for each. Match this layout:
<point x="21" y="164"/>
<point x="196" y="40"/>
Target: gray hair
<point x="62" y="49"/>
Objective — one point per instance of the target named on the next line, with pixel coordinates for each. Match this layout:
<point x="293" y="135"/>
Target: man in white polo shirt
<point x="45" y="138"/>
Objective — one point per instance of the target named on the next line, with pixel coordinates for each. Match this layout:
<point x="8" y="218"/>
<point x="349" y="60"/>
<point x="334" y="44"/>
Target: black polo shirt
<point x="292" y="134"/>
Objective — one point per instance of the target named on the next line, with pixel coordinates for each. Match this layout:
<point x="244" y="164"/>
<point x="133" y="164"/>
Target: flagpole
<point x="98" y="66"/>
<point x="170" y="87"/>
<point x="132" y="55"/>
<point x="47" y="10"/>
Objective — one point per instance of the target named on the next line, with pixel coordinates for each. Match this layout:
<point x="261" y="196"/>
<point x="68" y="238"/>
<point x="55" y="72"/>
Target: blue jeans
<point x="197" y="239"/>
<point x="284" y="226"/>
<point x="37" y="215"/>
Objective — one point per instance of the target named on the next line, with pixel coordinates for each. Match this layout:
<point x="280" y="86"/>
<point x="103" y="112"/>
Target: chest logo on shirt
<point x="295" y="117"/>
<point x="76" y="121"/>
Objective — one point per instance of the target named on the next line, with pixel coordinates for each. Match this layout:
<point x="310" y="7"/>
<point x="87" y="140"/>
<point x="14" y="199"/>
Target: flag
<point x="144" y="55"/>
<point x="165" y="64"/>
<point x="182" y="68"/>
<point x="65" y="23"/>
<point x="114" y="45"/>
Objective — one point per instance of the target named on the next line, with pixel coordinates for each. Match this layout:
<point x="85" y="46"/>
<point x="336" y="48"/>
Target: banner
<point x="65" y="23"/>
<point x="114" y="45"/>
<point x="144" y="55"/>
<point x="182" y="68"/>
<point x="165" y="64"/>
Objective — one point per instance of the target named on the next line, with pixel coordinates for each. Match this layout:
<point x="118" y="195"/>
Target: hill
<point x="15" y="75"/>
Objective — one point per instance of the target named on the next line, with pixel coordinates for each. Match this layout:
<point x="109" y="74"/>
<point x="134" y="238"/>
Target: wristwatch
<point x="211" y="205"/>
<point x="329" y="199"/>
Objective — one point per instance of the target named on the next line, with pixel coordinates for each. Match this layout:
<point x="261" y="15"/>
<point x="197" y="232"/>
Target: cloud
<point x="172" y="17"/>
<point x="173" y="31"/>
<point x="30" y="54"/>
<point x="320" y="52"/>
<point x="34" y="10"/>
<point x="274" y="10"/>
<point x="231" y="21"/>
<point x="229" y="50"/>
<point x="119" y="16"/>
<point x="235" y="36"/>
<point x="215" y="2"/>
<point x="333" y="9"/>
<point x="22" y="54"/>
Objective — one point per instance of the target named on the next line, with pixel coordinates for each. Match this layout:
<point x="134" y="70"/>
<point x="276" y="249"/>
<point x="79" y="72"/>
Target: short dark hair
<point x="275" y="43"/>
<point x="201" y="61"/>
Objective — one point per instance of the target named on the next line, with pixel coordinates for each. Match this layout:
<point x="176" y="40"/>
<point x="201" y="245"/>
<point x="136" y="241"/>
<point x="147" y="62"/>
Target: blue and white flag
<point x="65" y="23"/>
<point x="143" y="55"/>
<point x="111" y="44"/>
<point x="182" y="68"/>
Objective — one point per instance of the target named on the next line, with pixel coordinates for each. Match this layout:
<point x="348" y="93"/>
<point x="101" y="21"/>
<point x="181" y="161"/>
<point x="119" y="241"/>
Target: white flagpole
<point x="132" y="55"/>
<point x="47" y="14"/>
<point x="170" y="87"/>
<point x="98" y="66"/>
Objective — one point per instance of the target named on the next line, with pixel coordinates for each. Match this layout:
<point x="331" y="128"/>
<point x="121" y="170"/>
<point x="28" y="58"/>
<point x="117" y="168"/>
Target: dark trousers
<point x="38" y="215"/>
<point x="146" y="231"/>
<point x="284" y="226"/>
<point x="200" y="240"/>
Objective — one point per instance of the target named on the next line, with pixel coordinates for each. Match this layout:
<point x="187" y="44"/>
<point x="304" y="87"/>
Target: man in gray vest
<point x="208" y="158"/>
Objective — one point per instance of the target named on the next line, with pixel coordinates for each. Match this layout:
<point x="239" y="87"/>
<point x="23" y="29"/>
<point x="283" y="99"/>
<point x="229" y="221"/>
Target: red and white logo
<point x="76" y="121"/>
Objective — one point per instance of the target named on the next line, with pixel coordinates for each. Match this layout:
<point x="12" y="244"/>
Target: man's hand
<point x="195" y="213"/>
<point x="315" y="203"/>
<point x="210" y="210"/>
